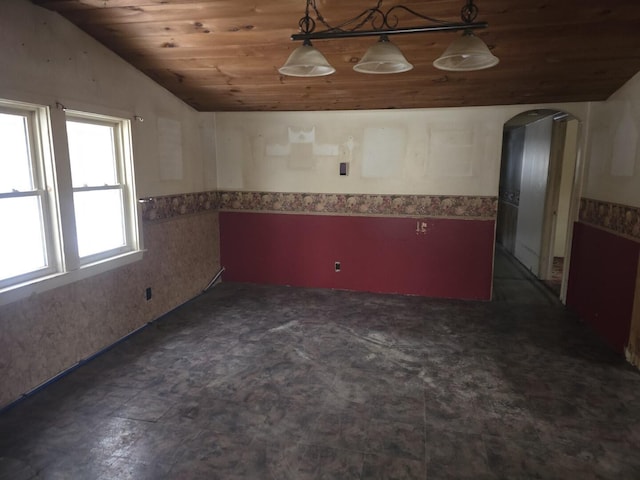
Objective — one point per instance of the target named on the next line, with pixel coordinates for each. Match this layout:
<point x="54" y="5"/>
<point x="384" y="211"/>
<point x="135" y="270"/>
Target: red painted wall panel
<point x="452" y="258"/>
<point x="602" y="281"/>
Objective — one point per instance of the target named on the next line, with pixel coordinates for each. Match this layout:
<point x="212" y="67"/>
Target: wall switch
<point x="337" y="266"/>
<point x="344" y="168"/>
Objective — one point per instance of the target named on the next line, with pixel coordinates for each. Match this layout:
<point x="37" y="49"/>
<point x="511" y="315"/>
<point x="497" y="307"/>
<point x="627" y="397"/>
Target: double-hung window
<point x="27" y="247"/>
<point x="66" y="216"/>
<point x="101" y="199"/>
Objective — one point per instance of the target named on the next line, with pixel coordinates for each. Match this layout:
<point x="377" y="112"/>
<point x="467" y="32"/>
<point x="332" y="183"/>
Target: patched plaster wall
<point x="454" y="151"/>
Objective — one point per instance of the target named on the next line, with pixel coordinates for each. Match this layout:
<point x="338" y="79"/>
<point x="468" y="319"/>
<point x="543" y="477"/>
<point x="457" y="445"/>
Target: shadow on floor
<point x="513" y="283"/>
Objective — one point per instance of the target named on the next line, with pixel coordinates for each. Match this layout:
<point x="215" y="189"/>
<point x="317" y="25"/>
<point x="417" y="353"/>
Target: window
<point x="63" y="215"/>
<point x="96" y="155"/>
<point x="25" y="243"/>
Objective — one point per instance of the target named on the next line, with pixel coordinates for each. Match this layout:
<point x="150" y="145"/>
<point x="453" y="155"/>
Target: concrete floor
<point x="267" y="382"/>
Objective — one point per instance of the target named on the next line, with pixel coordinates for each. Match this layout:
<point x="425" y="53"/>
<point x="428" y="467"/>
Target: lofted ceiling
<point x="224" y="55"/>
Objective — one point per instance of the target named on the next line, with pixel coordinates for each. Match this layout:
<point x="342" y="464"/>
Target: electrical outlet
<point x="337" y="266"/>
<point x="148" y="293"/>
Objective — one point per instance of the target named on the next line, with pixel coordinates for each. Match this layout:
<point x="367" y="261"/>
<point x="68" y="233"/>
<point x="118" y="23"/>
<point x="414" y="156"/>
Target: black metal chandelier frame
<point x="382" y="22"/>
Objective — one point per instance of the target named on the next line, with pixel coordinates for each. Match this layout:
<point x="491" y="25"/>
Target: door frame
<point x="555" y="172"/>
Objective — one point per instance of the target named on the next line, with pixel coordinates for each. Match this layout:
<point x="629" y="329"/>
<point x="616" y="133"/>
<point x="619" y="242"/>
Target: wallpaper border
<point x="614" y="217"/>
<point x="171" y="206"/>
<point x="448" y="206"/>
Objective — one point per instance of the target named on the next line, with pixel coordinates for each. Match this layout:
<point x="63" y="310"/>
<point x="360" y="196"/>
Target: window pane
<point x="99" y="221"/>
<point x="22" y="244"/>
<point x="91" y="151"/>
<point x="15" y="167"/>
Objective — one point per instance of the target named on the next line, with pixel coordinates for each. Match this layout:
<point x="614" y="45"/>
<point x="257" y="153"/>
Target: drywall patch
<point x="349" y="146"/>
<point x="600" y="151"/>
<point x="232" y="145"/>
<point x="383" y="151"/>
<point x="302" y="149"/>
<point x="170" y="149"/>
<point x="625" y="145"/>
<point x="451" y="151"/>
<point x="301" y="143"/>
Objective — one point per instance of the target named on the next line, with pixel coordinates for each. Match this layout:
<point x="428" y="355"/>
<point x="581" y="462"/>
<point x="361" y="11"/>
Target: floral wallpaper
<point x="159" y="208"/>
<point x="620" y="219"/>
<point x="47" y="333"/>
<point x="169" y="206"/>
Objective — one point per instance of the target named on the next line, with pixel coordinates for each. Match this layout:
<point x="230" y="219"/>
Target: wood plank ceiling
<point x="224" y="55"/>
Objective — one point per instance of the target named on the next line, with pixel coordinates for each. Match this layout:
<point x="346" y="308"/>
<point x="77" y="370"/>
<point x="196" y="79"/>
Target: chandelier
<point x="468" y="52"/>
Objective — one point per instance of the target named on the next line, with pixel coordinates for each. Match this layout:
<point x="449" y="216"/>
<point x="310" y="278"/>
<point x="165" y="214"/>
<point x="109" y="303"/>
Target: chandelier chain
<point x="469" y="12"/>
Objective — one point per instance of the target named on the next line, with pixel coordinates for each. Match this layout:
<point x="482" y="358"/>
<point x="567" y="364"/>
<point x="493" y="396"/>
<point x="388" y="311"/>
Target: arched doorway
<point x="537" y="197"/>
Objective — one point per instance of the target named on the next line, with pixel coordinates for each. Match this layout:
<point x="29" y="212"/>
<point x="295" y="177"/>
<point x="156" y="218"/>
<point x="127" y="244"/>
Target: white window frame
<point x="50" y="155"/>
<point x="124" y="180"/>
<point x="38" y="140"/>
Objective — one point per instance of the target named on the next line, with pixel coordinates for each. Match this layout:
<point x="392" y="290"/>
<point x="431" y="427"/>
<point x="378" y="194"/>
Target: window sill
<point x="39" y="285"/>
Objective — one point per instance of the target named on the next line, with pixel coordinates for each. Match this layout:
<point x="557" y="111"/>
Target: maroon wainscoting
<point x="602" y="281"/>
<point x="451" y="258"/>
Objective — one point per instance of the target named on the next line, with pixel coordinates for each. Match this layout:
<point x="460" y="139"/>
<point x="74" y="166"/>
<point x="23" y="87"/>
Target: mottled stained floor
<point x="266" y="382"/>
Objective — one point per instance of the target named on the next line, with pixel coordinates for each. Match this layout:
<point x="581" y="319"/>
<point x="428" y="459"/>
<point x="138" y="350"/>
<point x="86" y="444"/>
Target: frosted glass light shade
<point x="306" y="61"/>
<point x="383" y="57"/>
<point x="466" y="53"/>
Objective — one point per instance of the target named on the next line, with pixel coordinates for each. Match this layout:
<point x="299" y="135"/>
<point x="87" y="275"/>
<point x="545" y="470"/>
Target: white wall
<point x="451" y="151"/>
<point x="566" y="187"/>
<point x="44" y="59"/>
<point x="613" y="154"/>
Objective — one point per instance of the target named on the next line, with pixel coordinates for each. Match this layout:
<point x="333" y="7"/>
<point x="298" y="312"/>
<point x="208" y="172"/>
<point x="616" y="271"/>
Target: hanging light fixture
<point x="383" y="57"/>
<point x="466" y="53"/>
<point x="306" y="61"/>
